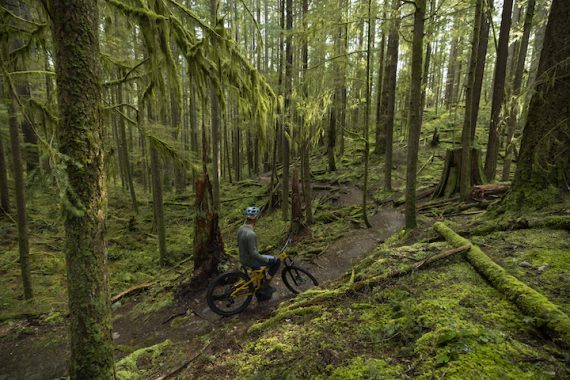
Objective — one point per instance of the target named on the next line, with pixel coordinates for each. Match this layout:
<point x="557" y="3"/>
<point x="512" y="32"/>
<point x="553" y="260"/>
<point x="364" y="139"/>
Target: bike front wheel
<point x="297" y="280"/>
<point x="230" y="293"/>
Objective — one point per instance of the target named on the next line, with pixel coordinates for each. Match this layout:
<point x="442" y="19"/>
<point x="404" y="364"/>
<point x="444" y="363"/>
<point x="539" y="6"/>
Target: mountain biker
<point x="250" y="257"/>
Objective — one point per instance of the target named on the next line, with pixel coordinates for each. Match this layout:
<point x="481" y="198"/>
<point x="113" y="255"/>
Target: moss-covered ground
<point x="445" y="321"/>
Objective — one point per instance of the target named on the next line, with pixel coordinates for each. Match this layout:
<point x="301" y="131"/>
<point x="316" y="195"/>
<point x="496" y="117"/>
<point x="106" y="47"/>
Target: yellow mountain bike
<point x="231" y="292"/>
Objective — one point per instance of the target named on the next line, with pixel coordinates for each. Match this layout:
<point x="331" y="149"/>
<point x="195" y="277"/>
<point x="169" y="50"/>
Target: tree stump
<point x="208" y="243"/>
<point x="449" y="182"/>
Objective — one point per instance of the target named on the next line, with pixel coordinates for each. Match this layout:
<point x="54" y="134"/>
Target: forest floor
<point x="443" y="322"/>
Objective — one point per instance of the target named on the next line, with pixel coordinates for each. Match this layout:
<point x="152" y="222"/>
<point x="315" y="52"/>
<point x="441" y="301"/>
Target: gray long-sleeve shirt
<point x="247" y="242"/>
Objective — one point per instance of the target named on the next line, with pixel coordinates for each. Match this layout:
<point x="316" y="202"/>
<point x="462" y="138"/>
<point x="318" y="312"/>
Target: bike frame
<point x="257" y="276"/>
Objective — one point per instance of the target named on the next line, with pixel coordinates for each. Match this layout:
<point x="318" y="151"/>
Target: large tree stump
<point x="208" y="243"/>
<point x="449" y="182"/>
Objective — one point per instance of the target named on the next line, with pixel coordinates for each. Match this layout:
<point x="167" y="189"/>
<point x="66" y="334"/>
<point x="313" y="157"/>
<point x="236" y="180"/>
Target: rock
<point x="116" y="305"/>
<point x="542" y="268"/>
<point x="116" y="335"/>
<point x="525" y="264"/>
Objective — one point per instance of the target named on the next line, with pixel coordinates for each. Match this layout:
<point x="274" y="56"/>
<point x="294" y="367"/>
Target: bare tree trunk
<point x="4" y="194"/>
<point x="23" y="243"/>
<point x="157" y="201"/>
<point x="367" y="119"/>
<point x="287" y="111"/>
<point x="305" y="145"/>
<point x="297" y="224"/>
<point x="80" y="133"/>
<point x="498" y="92"/>
<point x="473" y="94"/>
<point x="215" y="123"/>
<point x="380" y="140"/>
<point x="389" y="94"/>
<point x="451" y="70"/>
<point x="415" y="122"/>
<point x="124" y="151"/>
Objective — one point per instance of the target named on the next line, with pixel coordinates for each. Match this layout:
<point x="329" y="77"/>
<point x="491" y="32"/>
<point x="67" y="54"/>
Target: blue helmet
<point x="252" y="212"/>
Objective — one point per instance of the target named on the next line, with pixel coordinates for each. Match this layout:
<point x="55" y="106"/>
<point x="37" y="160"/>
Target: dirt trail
<point x="23" y="359"/>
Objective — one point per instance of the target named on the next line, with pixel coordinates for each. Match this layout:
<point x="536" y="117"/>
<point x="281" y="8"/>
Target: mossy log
<point x="531" y="302"/>
<point x="560" y="222"/>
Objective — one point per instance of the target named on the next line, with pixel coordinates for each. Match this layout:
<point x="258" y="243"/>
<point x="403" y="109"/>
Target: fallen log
<point x="559" y="222"/>
<point x="373" y="281"/>
<point x="489" y="190"/>
<point x="528" y="300"/>
<point x="135" y="289"/>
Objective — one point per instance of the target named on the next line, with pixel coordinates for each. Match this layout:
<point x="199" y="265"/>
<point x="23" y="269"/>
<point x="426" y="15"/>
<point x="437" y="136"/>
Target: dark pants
<point x="273" y="268"/>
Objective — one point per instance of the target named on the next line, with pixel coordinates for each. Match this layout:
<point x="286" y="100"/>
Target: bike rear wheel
<point x="297" y="280"/>
<point x="230" y="293"/>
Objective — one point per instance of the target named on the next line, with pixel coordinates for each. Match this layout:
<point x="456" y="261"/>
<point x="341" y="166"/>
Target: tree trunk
<point x="498" y="92"/>
<point x="124" y="152"/>
<point x="517" y="83"/>
<point x="297" y="224"/>
<point x="80" y="133"/>
<point x="473" y="93"/>
<point x="378" y="143"/>
<point x="415" y="121"/>
<point x="389" y="94"/>
<point x="387" y="99"/>
<point x="451" y="68"/>
<point x="287" y="111"/>
<point x="306" y="144"/>
<point x="215" y="121"/>
<point x="193" y="126"/>
<point x="367" y="119"/>
<point x="157" y="201"/>
<point x="4" y="194"/>
<point x="23" y="243"/>
<point x="544" y="160"/>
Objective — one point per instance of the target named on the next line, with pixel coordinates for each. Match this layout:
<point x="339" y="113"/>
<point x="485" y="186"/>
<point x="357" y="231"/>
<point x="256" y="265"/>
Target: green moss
<point x="133" y="366"/>
<point x="366" y="369"/>
<point x="529" y="300"/>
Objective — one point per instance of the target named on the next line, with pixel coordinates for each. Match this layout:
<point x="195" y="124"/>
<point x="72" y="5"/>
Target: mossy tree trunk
<point x="4" y="194"/>
<point x="80" y="132"/>
<point x="23" y="242"/>
<point x="416" y="112"/>
<point x="544" y="156"/>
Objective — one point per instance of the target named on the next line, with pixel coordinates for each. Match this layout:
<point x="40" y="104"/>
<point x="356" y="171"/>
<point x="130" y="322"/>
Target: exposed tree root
<point x="531" y="302"/>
